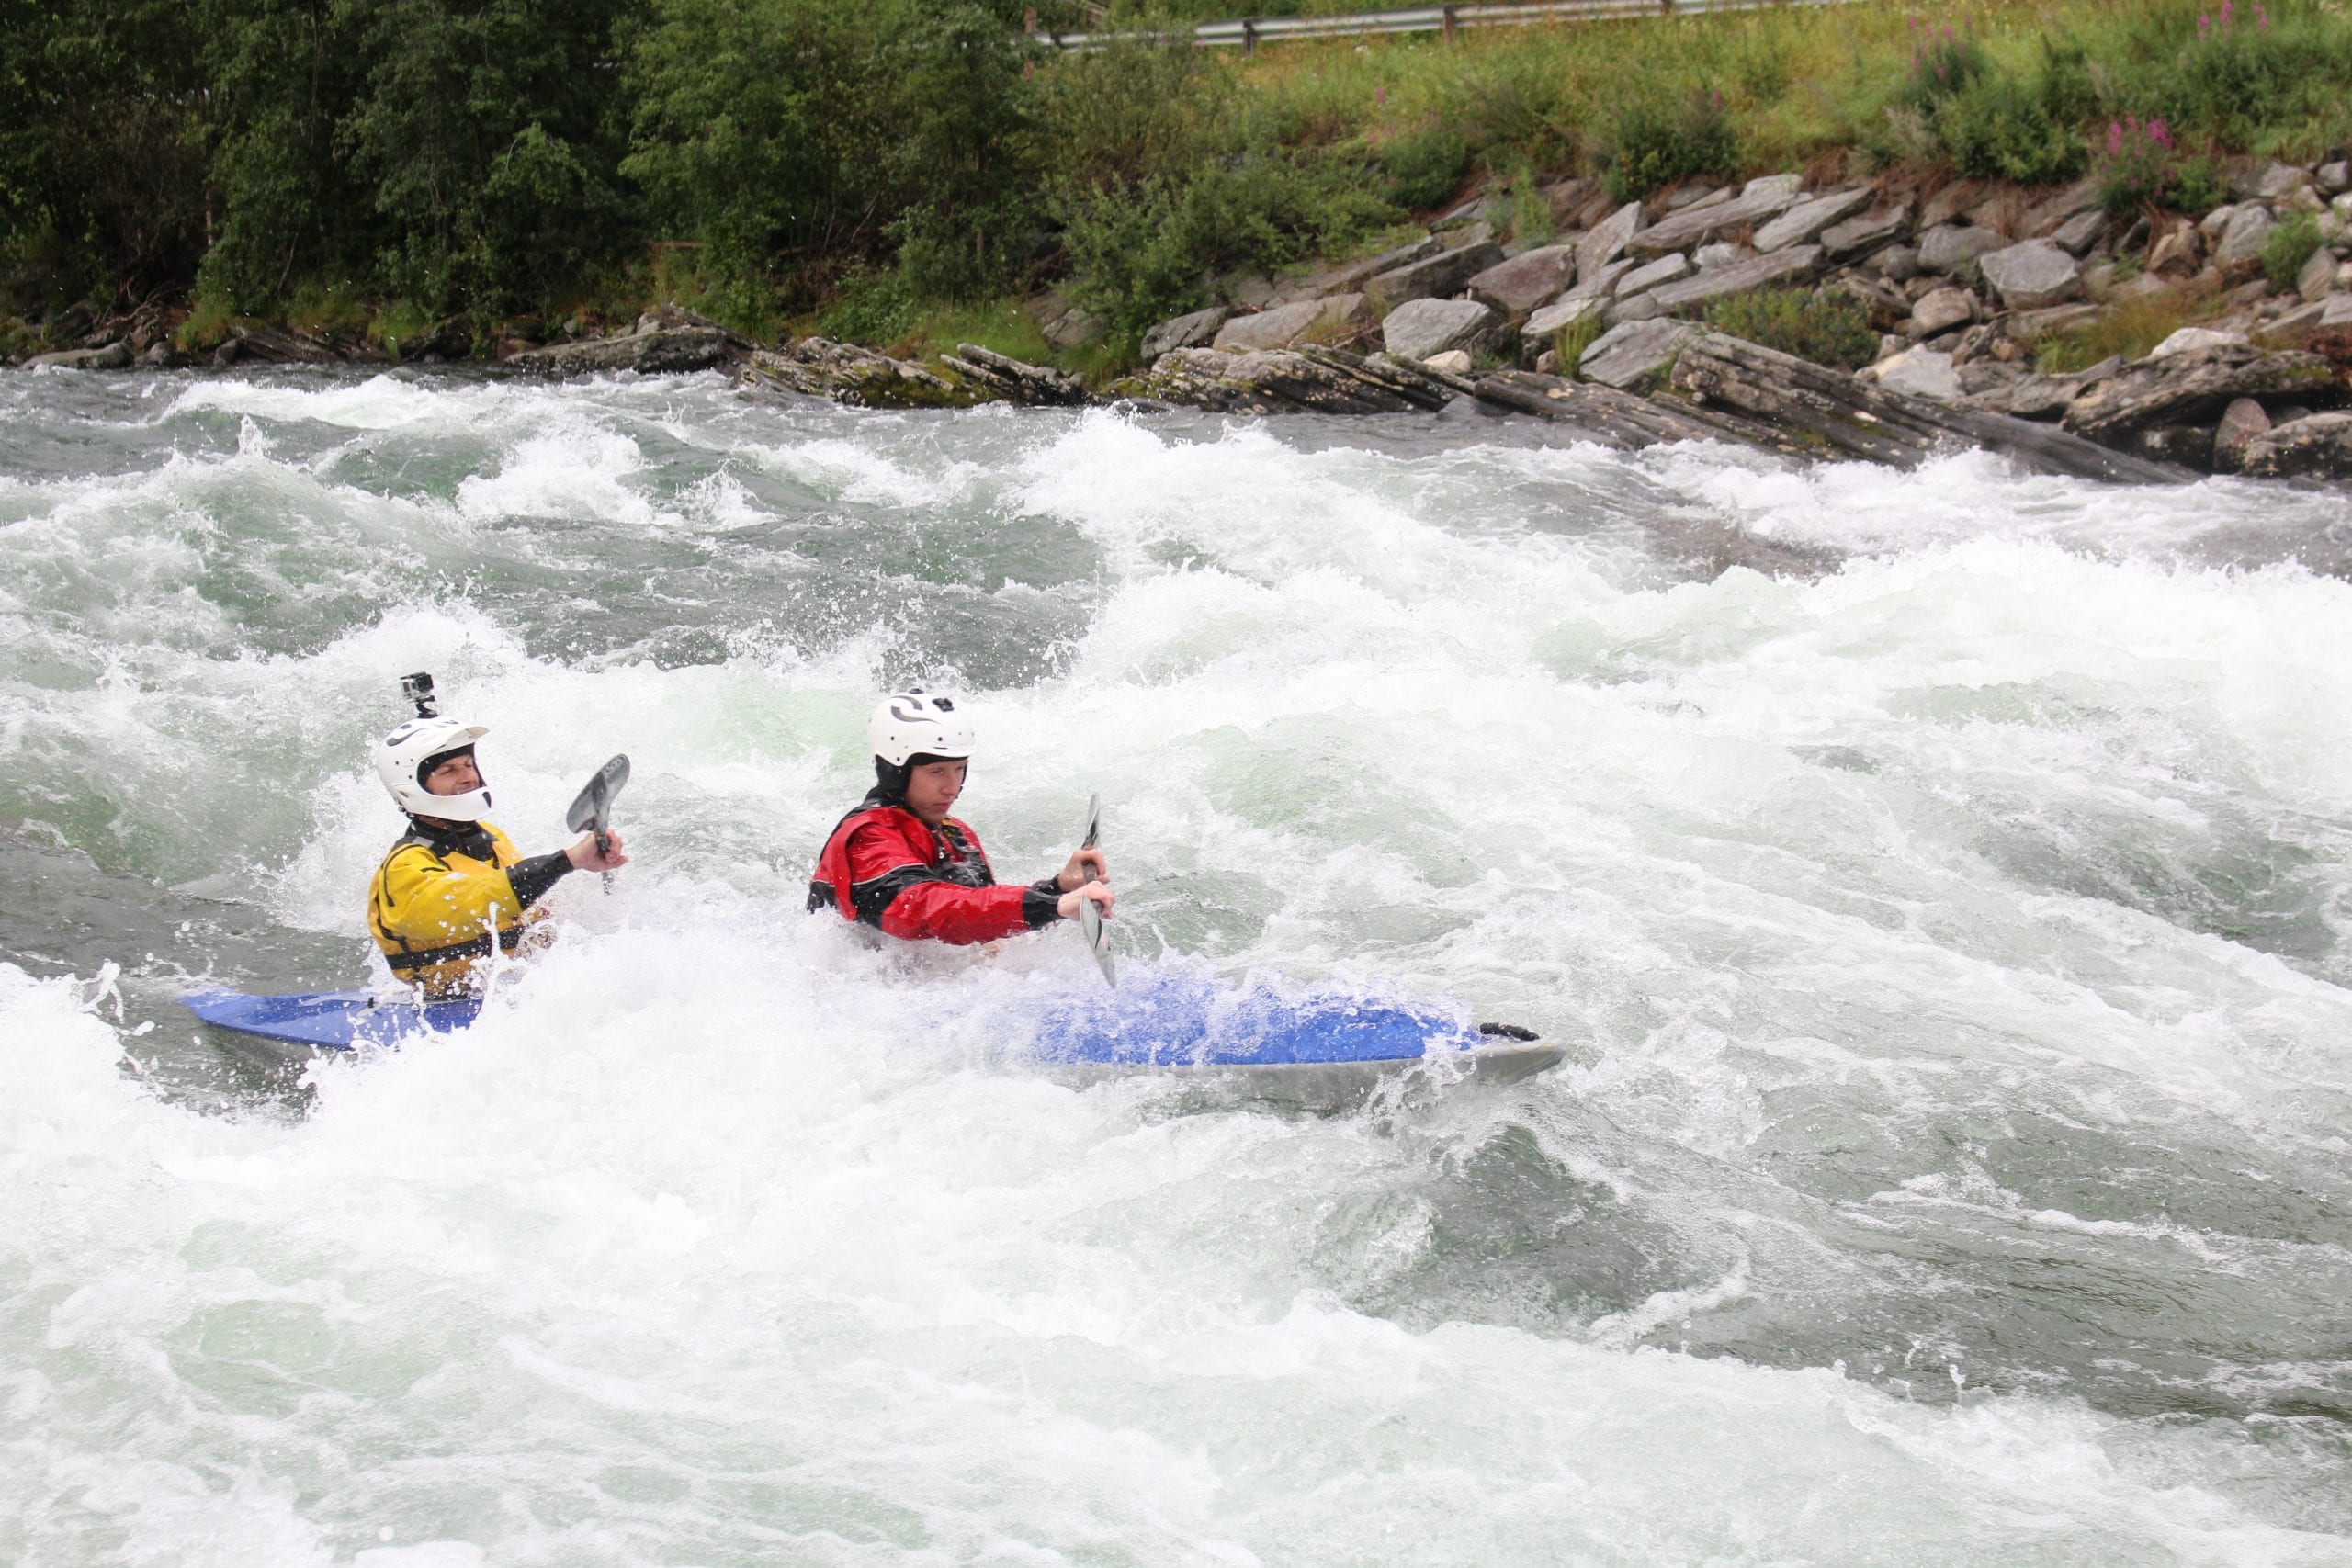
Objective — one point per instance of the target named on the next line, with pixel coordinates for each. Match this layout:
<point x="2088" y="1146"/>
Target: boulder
<point x="1697" y="225"/>
<point x="2046" y="218"/>
<point x="278" y="346"/>
<point x="2334" y="178"/>
<point x="1350" y="276"/>
<point x="1029" y="386"/>
<point x="2189" y="445"/>
<point x="1940" y="310"/>
<point x="2191" y="340"/>
<point x="113" y="357"/>
<point x="1780" y="266"/>
<point x="1950" y="201"/>
<point x="1633" y="356"/>
<point x="1538" y="331"/>
<point x="1952" y="249"/>
<point x="1452" y="362"/>
<point x="1650" y="274"/>
<point x="1432" y="276"/>
<point x="2177" y="253"/>
<point x="2317" y="446"/>
<point x="1640" y="307"/>
<point x="2030" y="327"/>
<point x="2330" y="318"/>
<point x="2269" y="181"/>
<point x="1897" y="264"/>
<point x="2192" y="387"/>
<point x="2079" y="234"/>
<point x="1885" y="303"/>
<point x="2239" y="253"/>
<point x="1420" y="329"/>
<point x="1193" y="331"/>
<point x="1566" y="199"/>
<point x="1868" y="231"/>
<point x="2031" y="274"/>
<point x="2318" y="276"/>
<point x="1307" y="319"/>
<point x="1788" y="185"/>
<point x="1608" y="241"/>
<point x="1689" y="197"/>
<point x="1806" y="220"/>
<point x="1519" y="285"/>
<point x="1065" y="325"/>
<point x="1919" y="373"/>
<point x="1721" y="253"/>
<point x="2241" y="423"/>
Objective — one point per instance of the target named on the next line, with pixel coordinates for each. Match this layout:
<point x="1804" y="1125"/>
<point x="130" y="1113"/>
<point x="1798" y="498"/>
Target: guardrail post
<point x="1249" y="35"/>
<point x="1445" y="23"/>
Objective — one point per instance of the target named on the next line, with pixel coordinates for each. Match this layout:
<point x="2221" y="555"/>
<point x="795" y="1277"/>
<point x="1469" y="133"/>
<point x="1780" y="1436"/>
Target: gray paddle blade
<point x="1093" y="821"/>
<point x="591" y="808"/>
<point x="1098" y="940"/>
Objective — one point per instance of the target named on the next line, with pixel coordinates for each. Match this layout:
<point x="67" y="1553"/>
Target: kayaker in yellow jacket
<point x="455" y="886"/>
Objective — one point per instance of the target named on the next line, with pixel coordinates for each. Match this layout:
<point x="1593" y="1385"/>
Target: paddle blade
<point x="592" y="809"/>
<point x="1093" y="822"/>
<point x="1098" y="940"/>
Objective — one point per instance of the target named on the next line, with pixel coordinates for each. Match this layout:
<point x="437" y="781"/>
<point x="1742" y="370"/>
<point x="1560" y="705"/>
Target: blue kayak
<point x="1322" y="1048"/>
<point x="336" y="1020"/>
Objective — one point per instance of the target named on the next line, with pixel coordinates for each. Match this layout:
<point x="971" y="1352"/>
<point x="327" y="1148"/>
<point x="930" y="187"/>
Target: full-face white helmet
<point x="913" y="723"/>
<point x="407" y="754"/>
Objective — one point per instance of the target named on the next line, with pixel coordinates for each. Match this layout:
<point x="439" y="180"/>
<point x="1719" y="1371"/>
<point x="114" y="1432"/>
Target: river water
<point x="1942" y="883"/>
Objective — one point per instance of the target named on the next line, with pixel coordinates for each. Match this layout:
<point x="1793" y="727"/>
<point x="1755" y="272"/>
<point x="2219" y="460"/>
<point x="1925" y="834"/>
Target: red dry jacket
<point x="885" y="867"/>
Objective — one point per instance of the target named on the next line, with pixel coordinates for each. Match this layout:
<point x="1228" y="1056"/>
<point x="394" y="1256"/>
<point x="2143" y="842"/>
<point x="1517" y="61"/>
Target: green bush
<point x="1424" y="166"/>
<point x="1141" y="256"/>
<point x="1823" y="325"/>
<point x="1944" y="64"/>
<point x="1996" y="128"/>
<point x="1653" y="143"/>
<point x="2290" y="247"/>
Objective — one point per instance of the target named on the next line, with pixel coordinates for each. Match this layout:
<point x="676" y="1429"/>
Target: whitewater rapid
<point x="1942" y="883"/>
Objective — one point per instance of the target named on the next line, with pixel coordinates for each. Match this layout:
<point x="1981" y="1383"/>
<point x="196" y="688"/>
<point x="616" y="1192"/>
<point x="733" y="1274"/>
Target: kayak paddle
<point x="1089" y="917"/>
<point x="592" y="809"/>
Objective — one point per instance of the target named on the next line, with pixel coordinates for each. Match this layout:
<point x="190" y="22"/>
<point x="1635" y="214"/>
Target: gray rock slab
<point x="1636" y="354"/>
<point x="1287" y="325"/>
<point x="2318" y="276"/>
<point x="1722" y="252"/>
<point x="1519" y="285"/>
<point x="2032" y="274"/>
<point x="1808" y="219"/>
<point x="1608" y="241"/>
<point x="1540" y="327"/>
<point x="1941" y="310"/>
<point x="2044" y="218"/>
<point x="1897" y="264"/>
<point x="1650" y="274"/>
<point x="1434" y="276"/>
<point x="2334" y="178"/>
<point x="1867" y="232"/>
<point x="113" y="357"/>
<point x="2269" y="182"/>
<point x="1920" y="372"/>
<point x="2078" y="234"/>
<point x="2195" y="339"/>
<point x="1349" y="277"/>
<point x="1640" y="307"/>
<point x="1758" y="272"/>
<point x="1951" y="249"/>
<point x="2243" y="239"/>
<point x="1789" y="185"/>
<point x="1420" y="329"/>
<point x="1193" y="331"/>
<point x="2192" y="387"/>
<point x="1699" y="224"/>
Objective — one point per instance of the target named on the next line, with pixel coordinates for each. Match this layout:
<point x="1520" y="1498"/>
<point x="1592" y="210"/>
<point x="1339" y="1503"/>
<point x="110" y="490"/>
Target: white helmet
<point x="910" y="722"/>
<point x="400" y="757"/>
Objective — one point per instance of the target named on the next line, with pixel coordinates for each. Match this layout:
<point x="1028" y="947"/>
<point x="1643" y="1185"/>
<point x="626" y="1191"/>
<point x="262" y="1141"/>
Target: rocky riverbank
<point x="1965" y="282"/>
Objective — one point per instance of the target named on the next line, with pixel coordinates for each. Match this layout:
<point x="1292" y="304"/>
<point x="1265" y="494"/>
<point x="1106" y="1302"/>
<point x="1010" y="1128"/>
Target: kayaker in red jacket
<point x="899" y="863"/>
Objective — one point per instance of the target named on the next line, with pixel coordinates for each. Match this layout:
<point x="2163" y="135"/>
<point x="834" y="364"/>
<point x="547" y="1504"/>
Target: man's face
<point x="933" y="788"/>
<point x="454" y="775"/>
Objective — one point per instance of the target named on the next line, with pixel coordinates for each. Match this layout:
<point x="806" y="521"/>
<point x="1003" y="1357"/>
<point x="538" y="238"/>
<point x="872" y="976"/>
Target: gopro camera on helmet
<point x="418" y="689"/>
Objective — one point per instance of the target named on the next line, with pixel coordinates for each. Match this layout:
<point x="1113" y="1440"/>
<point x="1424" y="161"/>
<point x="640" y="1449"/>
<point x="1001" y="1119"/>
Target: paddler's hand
<point x="584" y="855"/>
<point x="1092" y="893"/>
<point x="1085" y="866"/>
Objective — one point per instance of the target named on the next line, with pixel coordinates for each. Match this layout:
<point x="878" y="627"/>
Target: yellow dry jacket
<point x="441" y="900"/>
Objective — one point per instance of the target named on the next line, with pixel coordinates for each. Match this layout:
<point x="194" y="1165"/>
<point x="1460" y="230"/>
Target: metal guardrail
<point x="1248" y="32"/>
